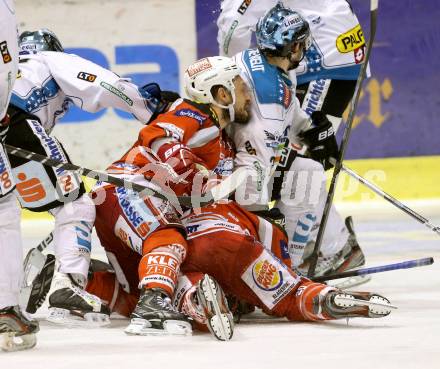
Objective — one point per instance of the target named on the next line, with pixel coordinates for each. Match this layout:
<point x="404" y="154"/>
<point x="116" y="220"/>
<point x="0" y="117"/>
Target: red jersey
<point x="189" y="123"/>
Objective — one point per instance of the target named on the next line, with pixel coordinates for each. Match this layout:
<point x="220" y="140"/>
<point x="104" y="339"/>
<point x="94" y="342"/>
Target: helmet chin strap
<point x="229" y="107"/>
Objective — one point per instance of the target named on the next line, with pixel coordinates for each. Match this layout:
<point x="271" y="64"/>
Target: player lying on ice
<point x="225" y="242"/>
<point x="248" y="258"/>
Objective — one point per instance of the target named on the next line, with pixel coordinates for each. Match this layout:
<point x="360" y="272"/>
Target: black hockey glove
<point x="321" y="140"/>
<point x="163" y="98"/>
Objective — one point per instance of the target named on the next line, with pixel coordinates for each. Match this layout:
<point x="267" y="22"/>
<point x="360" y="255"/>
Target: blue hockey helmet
<point x="280" y="28"/>
<point x="41" y="40"/>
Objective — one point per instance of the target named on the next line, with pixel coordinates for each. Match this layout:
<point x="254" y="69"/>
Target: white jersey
<point x="276" y="120"/>
<point x="49" y="81"/>
<point x="9" y="53"/>
<point x="338" y="43"/>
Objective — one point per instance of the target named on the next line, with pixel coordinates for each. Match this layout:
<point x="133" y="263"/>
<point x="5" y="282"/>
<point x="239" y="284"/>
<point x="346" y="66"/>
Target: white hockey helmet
<point x="205" y="73"/>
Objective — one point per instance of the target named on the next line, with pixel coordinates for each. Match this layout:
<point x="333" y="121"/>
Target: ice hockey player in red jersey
<point x="170" y="152"/>
<point x="248" y="256"/>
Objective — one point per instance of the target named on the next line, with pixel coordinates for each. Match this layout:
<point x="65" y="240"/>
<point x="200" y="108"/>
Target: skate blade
<point x="65" y="318"/>
<point x="351" y="282"/>
<point x="376" y="305"/>
<point x="12" y="343"/>
<point x="221" y="325"/>
<point x="142" y="327"/>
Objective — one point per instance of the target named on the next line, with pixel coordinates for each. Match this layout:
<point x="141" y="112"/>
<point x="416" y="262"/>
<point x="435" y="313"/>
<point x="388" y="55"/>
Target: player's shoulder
<point x="184" y="110"/>
<point x="271" y="84"/>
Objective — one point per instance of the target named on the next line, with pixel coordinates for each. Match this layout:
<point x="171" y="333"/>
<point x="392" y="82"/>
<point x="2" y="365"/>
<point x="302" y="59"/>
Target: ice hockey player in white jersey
<point x="327" y="76"/>
<point x="49" y="82"/>
<point x="12" y="322"/>
<point x="268" y="146"/>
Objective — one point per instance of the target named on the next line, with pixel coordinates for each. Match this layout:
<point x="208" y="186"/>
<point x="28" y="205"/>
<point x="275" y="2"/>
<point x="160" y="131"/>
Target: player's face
<point x="242" y="104"/>
<point x="298" y="50"/>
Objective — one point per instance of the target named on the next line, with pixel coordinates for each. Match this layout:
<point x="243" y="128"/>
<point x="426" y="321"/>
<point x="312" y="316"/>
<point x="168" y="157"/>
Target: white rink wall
<point x="104" y="26"/>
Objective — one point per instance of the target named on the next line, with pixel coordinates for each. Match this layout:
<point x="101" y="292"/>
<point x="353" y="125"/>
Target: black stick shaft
<point x="344" y="144"/>
<point x="100" y="176"/>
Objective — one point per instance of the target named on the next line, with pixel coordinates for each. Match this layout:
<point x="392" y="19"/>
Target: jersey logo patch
<point x="244" y="6"/>
<point x="117" y="92"/>
<point x="190" y="114"/>
<point x="88" y="77"/>
<point x="351" y="40"/>
<point x="5" y="52"/>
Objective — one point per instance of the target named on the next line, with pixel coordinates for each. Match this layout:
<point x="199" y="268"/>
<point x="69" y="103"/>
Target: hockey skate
<point x="207" y="305"/>
<point x="18" y="332"/>
<point x="154" y="315"/>
<point x="71" y="305"/>
<point x="38" y="274"/>
<point x="348" y="258"/>
<point x="340" y="304"/>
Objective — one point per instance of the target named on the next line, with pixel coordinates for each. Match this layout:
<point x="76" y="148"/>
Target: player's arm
<point x="166" y="139"/>
<point x="92" y="88"/>
<point x="236" y="23"/>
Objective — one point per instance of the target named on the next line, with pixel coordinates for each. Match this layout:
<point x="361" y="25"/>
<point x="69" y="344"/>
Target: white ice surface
<point x="408" y="338"/>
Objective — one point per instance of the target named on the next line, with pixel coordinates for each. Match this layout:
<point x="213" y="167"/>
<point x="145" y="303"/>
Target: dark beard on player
<point x="242" y="118"/>
<point x="293" y="65"/>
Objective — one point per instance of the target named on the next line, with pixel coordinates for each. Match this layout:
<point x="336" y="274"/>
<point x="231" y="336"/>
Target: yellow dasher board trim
<point x="410" y="178"/>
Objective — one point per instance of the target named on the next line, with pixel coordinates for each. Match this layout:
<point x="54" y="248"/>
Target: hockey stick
<point x="354" y="102"/>
<point x="43" y="244"/>
<point x="218" y="192"/>
<point x="390" y="199"/>
<point x="379" y="269"/>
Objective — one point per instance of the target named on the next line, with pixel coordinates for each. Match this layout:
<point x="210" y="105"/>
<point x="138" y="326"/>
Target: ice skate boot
<point x="154" y="315"/>
<point x="340" y="304"/>
<point x="17" y="331"/>
<point x="207" y="305"/>
<point x="71" y="305"/>
<point x="38" y="274"/>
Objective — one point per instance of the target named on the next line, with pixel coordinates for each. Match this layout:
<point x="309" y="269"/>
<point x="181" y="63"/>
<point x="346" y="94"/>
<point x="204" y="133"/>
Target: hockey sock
<point x="159" y="268"/>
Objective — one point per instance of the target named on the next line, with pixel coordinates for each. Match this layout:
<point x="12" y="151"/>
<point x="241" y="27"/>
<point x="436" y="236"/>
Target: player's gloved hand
<point x="184" y="163"/>
<point x="321" y="140"/>
<point x="4" y="127"/>
<point x="160" y="98"/>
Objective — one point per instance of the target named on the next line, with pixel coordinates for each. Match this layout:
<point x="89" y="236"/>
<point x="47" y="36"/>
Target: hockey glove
<point x="321" y="140"/>
<point x="161" y="98"/>
<point x="184" y="163"/>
